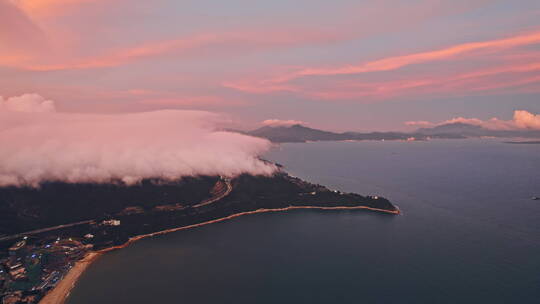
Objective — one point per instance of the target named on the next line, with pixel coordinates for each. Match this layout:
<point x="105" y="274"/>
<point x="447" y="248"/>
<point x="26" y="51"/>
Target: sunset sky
<point x="340" y="65"/>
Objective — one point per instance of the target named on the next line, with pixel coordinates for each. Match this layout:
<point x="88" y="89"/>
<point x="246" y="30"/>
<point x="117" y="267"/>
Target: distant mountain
<point x="300" y="133"/>
<point x="467" y="130"/>
<point x="295" y="133"/>
<point x="458" y="128"/>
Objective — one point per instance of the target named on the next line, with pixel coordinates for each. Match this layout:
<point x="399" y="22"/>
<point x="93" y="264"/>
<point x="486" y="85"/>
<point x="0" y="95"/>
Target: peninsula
<point x="49" y="235"/>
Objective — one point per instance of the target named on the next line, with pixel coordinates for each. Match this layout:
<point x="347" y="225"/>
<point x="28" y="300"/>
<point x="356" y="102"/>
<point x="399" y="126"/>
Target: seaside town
<point x="34" y="265"/>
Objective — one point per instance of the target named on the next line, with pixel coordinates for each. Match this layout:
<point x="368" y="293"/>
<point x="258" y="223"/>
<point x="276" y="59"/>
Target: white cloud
<point x="420" y="123"/>
<point x="38" y="147"/>
<point x="522" y="120"/>
<point x="282" y="123"/>
<point x="26" y="103"/>
<point x="527" y="120"/>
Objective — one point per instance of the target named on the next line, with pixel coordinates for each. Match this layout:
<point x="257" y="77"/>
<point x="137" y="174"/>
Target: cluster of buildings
<point x="33" y="267"/>
<point x="111" y="222"/>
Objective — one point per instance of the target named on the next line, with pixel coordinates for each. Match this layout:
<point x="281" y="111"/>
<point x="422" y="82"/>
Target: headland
<point x="43" y="263"/>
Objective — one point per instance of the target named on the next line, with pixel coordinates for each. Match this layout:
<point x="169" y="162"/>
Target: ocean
<point x="469" y="233"/>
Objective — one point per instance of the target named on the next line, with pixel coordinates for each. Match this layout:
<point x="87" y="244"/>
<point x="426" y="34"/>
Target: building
<point x="16" y="247"/>
<point x="18" y="273"/>
<point x="12" y="298"/>
<point x="111" y="222"/>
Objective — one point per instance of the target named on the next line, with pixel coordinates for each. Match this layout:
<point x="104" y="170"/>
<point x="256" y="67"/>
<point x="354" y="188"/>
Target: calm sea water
<point x="470" y="233"/>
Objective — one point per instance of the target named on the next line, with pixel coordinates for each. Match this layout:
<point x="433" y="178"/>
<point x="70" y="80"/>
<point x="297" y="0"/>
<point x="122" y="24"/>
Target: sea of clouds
<point x="40" y="144"/>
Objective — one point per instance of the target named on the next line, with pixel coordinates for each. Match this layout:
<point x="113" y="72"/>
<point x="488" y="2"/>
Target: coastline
<point x="230" y="217"/>
<point x="60" y="293"/>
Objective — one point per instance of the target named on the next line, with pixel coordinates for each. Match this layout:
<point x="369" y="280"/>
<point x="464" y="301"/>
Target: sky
<point x="338" y="65"/>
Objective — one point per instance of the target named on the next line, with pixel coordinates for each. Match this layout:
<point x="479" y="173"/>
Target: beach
<point x="59" y="294"/>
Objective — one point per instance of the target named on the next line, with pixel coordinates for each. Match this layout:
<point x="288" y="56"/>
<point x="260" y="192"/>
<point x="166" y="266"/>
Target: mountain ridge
<point x="458" y="130"/>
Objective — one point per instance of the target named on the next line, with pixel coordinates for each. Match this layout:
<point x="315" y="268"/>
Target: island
<point x="50" y="234"/>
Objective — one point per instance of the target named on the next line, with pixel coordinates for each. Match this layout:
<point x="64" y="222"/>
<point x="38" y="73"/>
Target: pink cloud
<point x="522" y="120"/>
<point x="397" y="62"/>
<point x="250" y="87"/>
<point x="527" y="120"/>
<point x="473" y="80"/>
<point x="40" y="8"/>
<point x="18" y="34"/>
<point x="193" y="45"/>
<point x="215" y="42"/>
<point x="420" y="123"/>
<point x="332" y="88"/>
<point x="168" y="144"/>
<point x="83" y="45"/>
<point x="27" y="103"/>
<point x="190" y="100"/>
<point x="284" y="123"/>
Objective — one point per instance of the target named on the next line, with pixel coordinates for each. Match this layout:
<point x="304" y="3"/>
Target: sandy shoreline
<point x="60" y="293"/>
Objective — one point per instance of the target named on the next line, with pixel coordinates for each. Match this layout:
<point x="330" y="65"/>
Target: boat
<point x="535" y="198"/>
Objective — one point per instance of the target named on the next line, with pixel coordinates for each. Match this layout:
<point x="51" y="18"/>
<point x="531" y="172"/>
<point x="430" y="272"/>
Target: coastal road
<point x="23" y="234"/>
<point x="216" y="198"/>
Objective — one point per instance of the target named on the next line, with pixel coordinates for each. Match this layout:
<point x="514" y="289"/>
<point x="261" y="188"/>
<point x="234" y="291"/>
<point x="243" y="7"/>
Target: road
<point x="23" y="234"/>
<point x="216" y="198"/>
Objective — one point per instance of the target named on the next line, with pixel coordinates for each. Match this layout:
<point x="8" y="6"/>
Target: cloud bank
<point x="38" y="144"/>
<point x="523" y="120"/>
